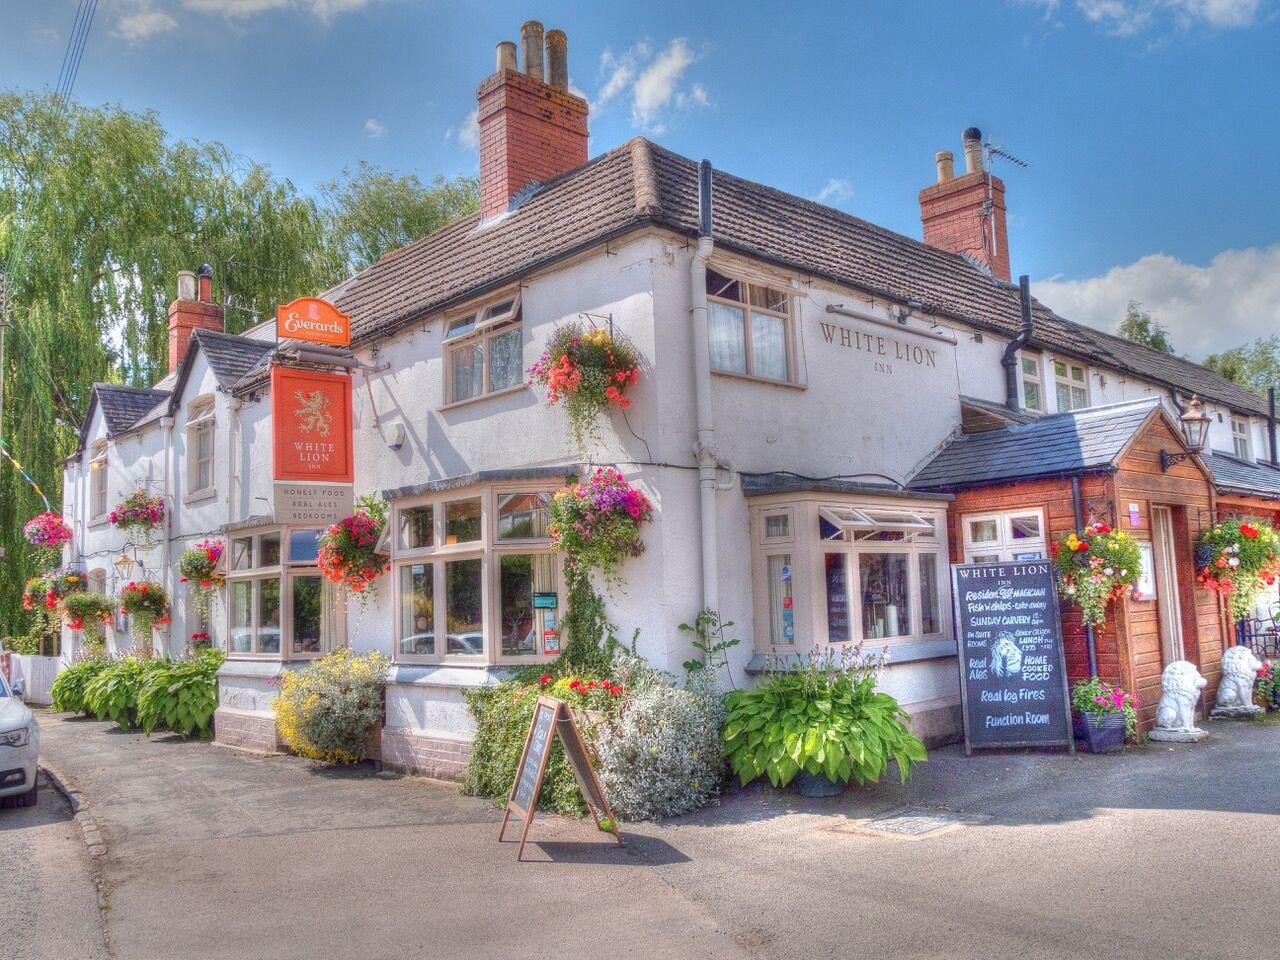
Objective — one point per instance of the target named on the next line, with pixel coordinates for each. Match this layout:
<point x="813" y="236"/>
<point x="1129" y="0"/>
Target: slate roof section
<point x="1078" y="442"/>
<point x="1000" y="410"/>
<point x="122" y="407"/>
<point x="767" y="484"/>
<point x="232" y="357"/>
<point x="640" y="183"/>
<point x="1232" y="475"/>
<point x="564" y="471"/>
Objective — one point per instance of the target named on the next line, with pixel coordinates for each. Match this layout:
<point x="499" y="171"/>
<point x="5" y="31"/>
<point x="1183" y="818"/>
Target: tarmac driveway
<point x="1162" y="852"/>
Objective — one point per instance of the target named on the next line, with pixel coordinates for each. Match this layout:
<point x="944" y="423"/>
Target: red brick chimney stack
<point x="193" y="310"/>
<point x="966" y="214"/>
<point x="531" y="128"/>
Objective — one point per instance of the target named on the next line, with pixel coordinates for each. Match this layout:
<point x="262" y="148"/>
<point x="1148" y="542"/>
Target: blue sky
<point x="1150" y="125"/>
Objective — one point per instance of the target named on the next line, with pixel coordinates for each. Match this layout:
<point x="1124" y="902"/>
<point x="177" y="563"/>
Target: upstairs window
<point x="1032" y="390"/>
<point x="98" y="481"/>
<point x="484" y="351"/>
<point x="749" y="327"/>
<point x="1072" y="384"/>
<point x="1240" y="438"/>
<point x="200" y="436"/>
<point x="1008" y="536"/>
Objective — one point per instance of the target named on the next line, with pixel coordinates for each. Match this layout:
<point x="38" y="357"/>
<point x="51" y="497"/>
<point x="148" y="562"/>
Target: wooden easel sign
<point x="552" y="718"/>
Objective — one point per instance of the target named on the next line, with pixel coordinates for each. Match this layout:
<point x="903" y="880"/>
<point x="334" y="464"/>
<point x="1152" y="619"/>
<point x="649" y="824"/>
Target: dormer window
<point x="1240" y="438"/>
<point x="484" y="351"/>
<point x="200" y="446"/>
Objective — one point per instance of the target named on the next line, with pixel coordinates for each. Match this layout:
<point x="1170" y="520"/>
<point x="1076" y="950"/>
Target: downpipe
<point x="704" y="445"/>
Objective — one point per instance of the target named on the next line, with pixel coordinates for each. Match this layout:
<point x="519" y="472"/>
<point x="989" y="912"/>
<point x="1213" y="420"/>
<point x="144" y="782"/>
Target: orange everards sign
<point x="311" y="425"/>
<point x="313" y="320"/>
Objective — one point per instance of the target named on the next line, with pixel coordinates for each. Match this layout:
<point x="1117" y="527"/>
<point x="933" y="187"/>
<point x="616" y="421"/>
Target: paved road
<point x="48" y="901"/>
<point x="1162" y="852"/>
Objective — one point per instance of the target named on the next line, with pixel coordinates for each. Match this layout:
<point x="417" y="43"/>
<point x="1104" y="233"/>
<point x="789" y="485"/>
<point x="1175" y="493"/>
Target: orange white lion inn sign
<point x="313" y="320"/>
<point x="311" y="421"/>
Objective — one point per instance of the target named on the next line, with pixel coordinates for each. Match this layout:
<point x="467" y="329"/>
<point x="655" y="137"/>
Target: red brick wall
<point x="185" y="317"/>
<point x="951" y="212"/>
<point x="529" y="131"/>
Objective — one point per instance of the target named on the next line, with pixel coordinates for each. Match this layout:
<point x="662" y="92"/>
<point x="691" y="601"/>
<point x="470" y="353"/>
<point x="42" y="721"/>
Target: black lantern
<point x="1194" y="424"/>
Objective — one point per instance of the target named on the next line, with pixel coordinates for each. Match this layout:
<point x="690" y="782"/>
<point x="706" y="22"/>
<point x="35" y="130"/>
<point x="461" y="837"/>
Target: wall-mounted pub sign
<point x="313" y="320"/>
<point x="311" y="426"/>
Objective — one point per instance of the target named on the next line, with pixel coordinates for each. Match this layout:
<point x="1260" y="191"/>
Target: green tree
<point x="372" y="212"/>
<point x="1255" y="365"/>
<point x="1139" y="326"/>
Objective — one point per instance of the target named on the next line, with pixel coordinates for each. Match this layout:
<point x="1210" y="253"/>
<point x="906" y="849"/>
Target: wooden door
<point x="1166" y="564"/>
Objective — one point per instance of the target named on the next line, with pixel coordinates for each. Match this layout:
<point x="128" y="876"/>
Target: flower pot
<point x="1103" y="732"/>
<point x="817" y="785"/>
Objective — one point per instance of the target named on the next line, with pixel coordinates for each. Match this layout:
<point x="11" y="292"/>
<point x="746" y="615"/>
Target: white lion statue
<point x="1176" y="712"/>
<point x="1235" y="693"/>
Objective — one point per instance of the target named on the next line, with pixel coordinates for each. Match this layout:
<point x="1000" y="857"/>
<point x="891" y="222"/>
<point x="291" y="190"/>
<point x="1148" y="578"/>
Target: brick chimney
<point x="531" y="128"/>
<point x="966" y="214"/>
<point x="193" y="310"/>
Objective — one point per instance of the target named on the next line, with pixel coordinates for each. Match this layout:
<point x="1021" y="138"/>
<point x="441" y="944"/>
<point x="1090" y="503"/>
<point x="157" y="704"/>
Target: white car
<point x="19" y="747"/>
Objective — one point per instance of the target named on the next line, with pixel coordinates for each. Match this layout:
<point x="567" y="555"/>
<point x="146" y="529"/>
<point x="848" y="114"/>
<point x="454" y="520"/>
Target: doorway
<point x="1166" y="563"/>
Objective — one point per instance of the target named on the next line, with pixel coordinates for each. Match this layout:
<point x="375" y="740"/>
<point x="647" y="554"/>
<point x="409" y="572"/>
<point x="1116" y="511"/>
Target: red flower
<point x="544" y="679"/>
<point x="1249" y="531"/>
<point x="1102" y="528"/>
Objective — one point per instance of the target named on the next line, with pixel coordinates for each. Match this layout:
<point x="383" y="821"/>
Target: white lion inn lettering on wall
<point x="887" y="351"/>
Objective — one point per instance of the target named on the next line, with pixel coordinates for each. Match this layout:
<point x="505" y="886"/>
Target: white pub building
<point x="829" y="414"/>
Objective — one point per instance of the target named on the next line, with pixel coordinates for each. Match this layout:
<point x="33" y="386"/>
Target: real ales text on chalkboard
<point x="535" y="757"/>
<point x="1013" y="677"/>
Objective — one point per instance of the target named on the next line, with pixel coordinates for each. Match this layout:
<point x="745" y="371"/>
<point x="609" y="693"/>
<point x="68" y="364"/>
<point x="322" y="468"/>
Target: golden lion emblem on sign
<point x="313" y="413"/>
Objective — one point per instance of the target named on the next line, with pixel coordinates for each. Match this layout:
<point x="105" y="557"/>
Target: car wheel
<point x="27" y="799"/>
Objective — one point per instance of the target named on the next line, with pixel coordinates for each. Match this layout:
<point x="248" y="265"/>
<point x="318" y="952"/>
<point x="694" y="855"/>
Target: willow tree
<point x="98" y="213"/>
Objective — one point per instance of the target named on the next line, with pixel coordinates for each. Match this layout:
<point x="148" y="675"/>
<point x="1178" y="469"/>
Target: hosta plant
<point x="68" y="690"/>
<point x="588" y="371"/>
<point x="825" y="719"/>
<point x="1238" y="559"/>
<point x="1095" y="566"/>
<point x="329" y="710"/>
<point x="181" y="695"/>
<point x="112" y="694"/>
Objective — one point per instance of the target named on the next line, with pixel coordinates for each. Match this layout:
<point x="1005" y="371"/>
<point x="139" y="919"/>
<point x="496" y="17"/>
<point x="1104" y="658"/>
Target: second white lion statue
<point x="1235" y="693"/>
<point x="1181" y="684"/>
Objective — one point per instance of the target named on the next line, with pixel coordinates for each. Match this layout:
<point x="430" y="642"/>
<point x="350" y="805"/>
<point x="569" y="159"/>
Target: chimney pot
<point x="558" y="59"/>
<point x="206" y="284"/>
<point x="531" y="40"/>
<point x="506" y="56"/>
<point x="186" y="284"/>
<point x="946" y="165"/>
<point x="972" y="150"/>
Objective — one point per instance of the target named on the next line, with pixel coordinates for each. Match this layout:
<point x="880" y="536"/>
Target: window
<point x="1072" y="386"/>
<point x="200" y="437"/>
<point x="749" y="328"/>
<point x="98" y="481"/>
<point x="488" y="560"/>
<point x="1012" y="535"/>
<point x="1240" y="438"/>
<point x="484" y="351"/>
<point x="1032" y="395"/>
<point x="781" y="610"/>
<point x="277" y="602"/>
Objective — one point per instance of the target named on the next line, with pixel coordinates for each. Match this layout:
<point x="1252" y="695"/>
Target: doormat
<point x="909" y="824"/>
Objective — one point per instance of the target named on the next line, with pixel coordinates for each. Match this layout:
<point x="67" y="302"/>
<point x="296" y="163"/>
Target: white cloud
<point x="374" y="130"/>
<point x="1129" y="18"/>
<point x="834" y="192"/>
<point x="140" y="19"/>
<point x="466" y="133"/>
<point x="1232" y="300"/>
<point x="654" y="81"/>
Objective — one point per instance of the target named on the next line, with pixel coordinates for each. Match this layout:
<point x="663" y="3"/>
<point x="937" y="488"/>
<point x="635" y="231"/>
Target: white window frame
<point x="496" y="318"/>
<point x="1032" y="376"/>
<point x="99" y="505"/>
<point x="1241" y="440"/>
<point x="489" y="549"/>
<point x="787" y="316"/>
<point x="1004" y="548"/>
<point x="1070" y="383"/>
<point x="201" y="419"/>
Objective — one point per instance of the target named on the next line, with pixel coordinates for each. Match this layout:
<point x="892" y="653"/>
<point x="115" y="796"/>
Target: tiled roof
<point x="1000" y="411"/>
<point x="641" y="183"/>
<point x="122" y="407"/>
<point x="1089" y="439"/>
<point x="1239" y="476"/>
<point x="231" y="357"/>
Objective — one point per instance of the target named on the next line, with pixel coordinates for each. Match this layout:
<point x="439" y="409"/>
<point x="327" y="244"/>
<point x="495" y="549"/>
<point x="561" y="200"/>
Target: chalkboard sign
<point x="552" y="718"/>
<point x="1013" y="673"/>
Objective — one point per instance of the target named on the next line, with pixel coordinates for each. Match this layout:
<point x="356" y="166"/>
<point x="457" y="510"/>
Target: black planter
<point x="1103" y="732"/>
<point x="817" y="785"/>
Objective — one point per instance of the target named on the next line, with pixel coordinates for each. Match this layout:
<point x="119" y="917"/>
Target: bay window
<point x="484" y="351"/>
<point x="749" y="327"/>
<point x="475" y="577"/>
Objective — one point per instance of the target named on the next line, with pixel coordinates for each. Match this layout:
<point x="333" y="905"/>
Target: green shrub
<point x="825" y="718"/>
<point x="181" y="694"/>
<point x="327" y="711"/>
<point x="113" y="692"/>
<point x="29" y="644"/>
<point x="68" y="691"/>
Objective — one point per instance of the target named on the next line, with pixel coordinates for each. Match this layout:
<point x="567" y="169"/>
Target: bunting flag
<point x="4" y="448"/>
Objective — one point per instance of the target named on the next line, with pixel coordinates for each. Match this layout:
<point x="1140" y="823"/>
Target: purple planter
<point x="817" y="785"/>
<point x="1103" y="732"/>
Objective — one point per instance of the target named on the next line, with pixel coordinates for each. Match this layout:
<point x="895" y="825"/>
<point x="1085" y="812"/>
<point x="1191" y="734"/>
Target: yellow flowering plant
<point x="1095" y="566"/>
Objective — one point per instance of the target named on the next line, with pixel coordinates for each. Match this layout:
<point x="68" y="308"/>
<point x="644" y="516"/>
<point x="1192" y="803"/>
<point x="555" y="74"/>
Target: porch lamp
<point x="124" y="565"/>
<point x="1194" y="424"/>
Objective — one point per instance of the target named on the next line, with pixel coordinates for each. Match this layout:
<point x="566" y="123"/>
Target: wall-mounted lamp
<point x="124" y="565"/>
<point x="1194" y="423"/>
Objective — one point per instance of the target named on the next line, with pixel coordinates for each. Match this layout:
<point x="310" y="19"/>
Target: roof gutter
<point x="1010" y="359"/>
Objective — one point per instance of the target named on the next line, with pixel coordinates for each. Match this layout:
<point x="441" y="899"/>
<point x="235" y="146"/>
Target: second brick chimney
<point x="966" y="214"/>
<point x="531" y="128"/>
<point x="193" y="310"/>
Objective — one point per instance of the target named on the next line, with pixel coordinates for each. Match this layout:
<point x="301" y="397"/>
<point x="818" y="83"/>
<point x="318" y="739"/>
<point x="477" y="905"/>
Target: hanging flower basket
<point x="51" y="588"/>
<point x="348" y="554"/>
<point x="1095" y="566"/>
<point x="89" y="613"/>
<point x="48" y="531"/>
<point x="200" y="566"/>
<point x="588" y="371"/>
<point x="147" y="604"/>
<point x="140" y="516"/>
<point x="596" y="524"/>
<point x="1238" y="559"/>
